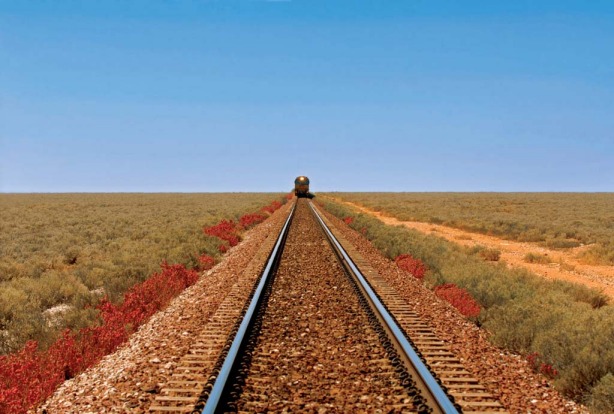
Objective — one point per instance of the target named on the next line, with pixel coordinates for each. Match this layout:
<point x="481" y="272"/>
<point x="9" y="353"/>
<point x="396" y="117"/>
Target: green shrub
<point x="20" y="319"/>
<point x="72" y="255"/>
<point x="599" y="253"/>
<point x="491" y="255"/>
<point x="561" y="243"/>
<point x="476" y="249"/>
<point x="580" y="344"/>
<point x="9" y="271"/>
<point x="531" y="235"/>
<point x="516" y="324"/>
<point x="566" y="266"/>
<point x="581" y="293"/>
<point x="56" y="288"/>
<point x="77" y="318"/>
<point x="13" y="302"/>
<point x="537" y="258"/>
<point x="601" y="400"/>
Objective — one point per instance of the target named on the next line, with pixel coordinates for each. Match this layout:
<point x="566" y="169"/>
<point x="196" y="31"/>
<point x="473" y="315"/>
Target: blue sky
<point x="244" y="95"/>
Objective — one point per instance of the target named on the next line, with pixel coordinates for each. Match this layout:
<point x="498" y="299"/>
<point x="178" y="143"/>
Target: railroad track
<point x="320" y="331"/>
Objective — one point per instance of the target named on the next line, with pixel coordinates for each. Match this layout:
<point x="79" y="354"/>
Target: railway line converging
<point x="319" y="331"/>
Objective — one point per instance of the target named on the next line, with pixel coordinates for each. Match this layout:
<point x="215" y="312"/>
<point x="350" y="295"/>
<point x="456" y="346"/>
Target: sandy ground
<point x="564" y="266"/>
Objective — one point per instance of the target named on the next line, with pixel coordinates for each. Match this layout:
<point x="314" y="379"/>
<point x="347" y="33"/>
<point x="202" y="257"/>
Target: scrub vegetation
<point x="62" y="318"/>
<point x="555" y="220"/>
<point x="537" y="258"/>
<point x="60" y="254"/>
<point x="564" y="330"/>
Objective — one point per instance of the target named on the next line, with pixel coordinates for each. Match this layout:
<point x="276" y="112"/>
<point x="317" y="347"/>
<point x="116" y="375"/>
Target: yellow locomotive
<point x="301" y="187"/>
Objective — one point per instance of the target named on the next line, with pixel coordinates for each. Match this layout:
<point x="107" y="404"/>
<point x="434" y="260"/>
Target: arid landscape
<point x="566" y="264"/>
<point x="493" y="283"/>
<point x="286" y="206"/>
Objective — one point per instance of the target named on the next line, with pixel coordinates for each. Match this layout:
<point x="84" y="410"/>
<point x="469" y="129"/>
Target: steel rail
<point x="436" y="396"/>
<point x="221" y="382"/>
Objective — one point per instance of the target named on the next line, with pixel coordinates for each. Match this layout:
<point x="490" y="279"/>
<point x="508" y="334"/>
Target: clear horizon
<point x="245" y="95"/>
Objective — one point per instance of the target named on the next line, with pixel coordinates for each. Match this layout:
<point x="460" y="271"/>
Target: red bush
<point x="26" y="379"/>
<point x="412" y="265"/>
<point x="548" y="370"/>
<point x="29" y="376"/>
<point x="535" y="361"/>
<point x="249" y="220"/>
<point x="348" y="220"/>
<point x="252" y="219"/>
<point x="271" y="208"/>
<point x="225" y="230"/>
<point x="145" y="299"/>
<point x="205" y="261"/>
<point x="459" y="298"/>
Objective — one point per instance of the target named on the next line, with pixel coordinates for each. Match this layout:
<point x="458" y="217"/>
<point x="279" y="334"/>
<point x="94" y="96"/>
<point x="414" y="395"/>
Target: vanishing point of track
<point x="319" y="331"/>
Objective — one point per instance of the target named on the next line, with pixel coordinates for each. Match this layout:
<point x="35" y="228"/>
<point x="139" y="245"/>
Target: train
<point x="301" y="187"/>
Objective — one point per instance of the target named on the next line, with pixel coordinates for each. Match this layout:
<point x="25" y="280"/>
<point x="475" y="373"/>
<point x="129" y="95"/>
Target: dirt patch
<point x="564" y="264"/>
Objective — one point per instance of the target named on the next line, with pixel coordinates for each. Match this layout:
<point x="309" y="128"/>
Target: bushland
<point x="61" y="253"/>
<point x="566" y="328"/>
<point x="555" y="220"/>
<point x="30" y="375"/>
